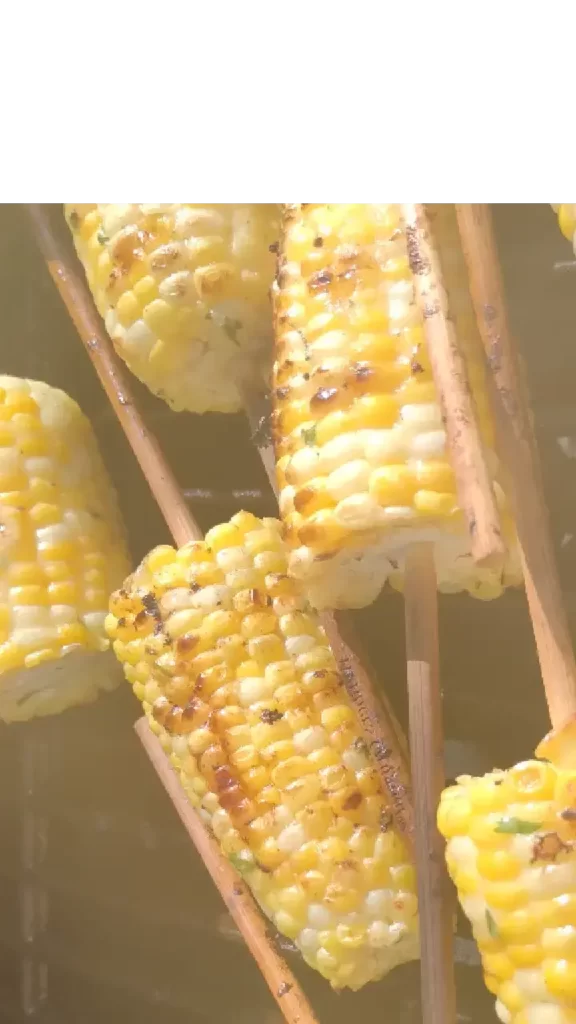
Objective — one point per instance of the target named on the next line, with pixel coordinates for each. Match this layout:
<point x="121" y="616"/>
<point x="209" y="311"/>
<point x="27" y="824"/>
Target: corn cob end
<point x="184" y="293"/>
<point x="61" y="551"/>
<point x="511" y="852"/>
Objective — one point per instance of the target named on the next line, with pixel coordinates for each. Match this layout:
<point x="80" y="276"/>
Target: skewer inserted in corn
<point x="363" y="469"/>
<point x="511" y="852"/>
<point x="61" y="551"/>
<point x="236" y="677"/>
<point x="184" y="293"/>
<point x="566" y="213"/>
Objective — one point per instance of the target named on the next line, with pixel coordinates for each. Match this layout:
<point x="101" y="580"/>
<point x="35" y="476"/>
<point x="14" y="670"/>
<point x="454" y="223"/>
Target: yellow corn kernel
<point x="498" y="865"/>
<point x="266" y="761"/>
<point x="560" y="978"/>
<point x="356" y="411"/>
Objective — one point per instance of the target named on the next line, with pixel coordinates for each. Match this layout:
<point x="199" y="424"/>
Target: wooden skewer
<point x="148" y="452"/>
<point x="475" y="494"/>
<point x="435" y="898"/>
<point x="476" y="499"/>
<point x="282" y="983"/>
<point x="380" y="727"/>
<point x="233" y="889"/>
<point x="520" y="455"/>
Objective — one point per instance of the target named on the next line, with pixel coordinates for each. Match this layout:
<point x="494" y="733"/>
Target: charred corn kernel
<point x="361" y="448"/>
<point x="283" y="777"/>
<point x="53" y="598"/>
<point x="566" y="213"/>
<point x="518" y="865"/>
<point x="183" y="291"/>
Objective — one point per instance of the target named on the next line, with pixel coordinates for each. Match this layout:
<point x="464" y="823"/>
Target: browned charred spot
<point x="224" y="778"/>
<point x="319" y="673"/>
<point x="418" y="263"/>
<point x="257" y="597"/>
<point x="306" y="376"/>
<point x="284" y="989"/>
<point x="362" y="371"/>
<point x="274" y="247"/>
<point x="141" y="617"/>
<point x="262" y="867"/>
<point x="164" y="256"/>
<point x="186" y="643"/>
<point x="114" y="276"/>
<point x="282" y="393"/>
<point x="569" y="814"/>
<point x="324" y="396"/>
<point x="238" y="891"/>
<point x="326" y="556"/>
<point x="352" y="802"/>
<point x="548" y="847"/>
<point x="321" y="280"/>
<point x="348" y="865"/>
<point x="416" y="367"/>
<point x="269" y="716"/>
<point x="430" y="310"/>
<point x="151" y="605"/>
<point x="121" y="622"/>
<point x="191" y="708"/>
<point x="318" y="242"/>
<point x="122" y="592"/>
<point x="195" y="587"/>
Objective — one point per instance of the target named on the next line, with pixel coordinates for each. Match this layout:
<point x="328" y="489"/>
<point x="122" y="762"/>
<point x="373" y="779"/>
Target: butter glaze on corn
<point x="235" y="676"/>
<point x="184" y="293"/>
<point x="361" y="448"/>
<point x="566" y="213"/>
<point x="61" y="551"/>
<point x="511" y="853"/>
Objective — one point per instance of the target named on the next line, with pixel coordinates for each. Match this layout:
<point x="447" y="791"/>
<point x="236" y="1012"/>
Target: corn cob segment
<point x="184" y="293"/>
<point x="363" y="469"/>
<point x="511" y="852"/>
<point x="61" y="550"/>
<point x="236" y="677"/>
<point x="566" y="213"/>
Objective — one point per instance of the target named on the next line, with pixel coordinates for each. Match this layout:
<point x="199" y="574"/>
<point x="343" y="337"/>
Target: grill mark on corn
<point x="374" y="411"/>
<point x="298" y="741"/>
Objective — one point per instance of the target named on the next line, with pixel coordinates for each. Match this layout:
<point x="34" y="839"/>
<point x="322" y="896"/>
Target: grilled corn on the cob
<point x="511" y="851"/>
<point x="361" y="448"/>
<point x="184" y="293"/>
<point x="235" y="675"/>
<point x="61" y="551"/>
<point x="566" y="213"/>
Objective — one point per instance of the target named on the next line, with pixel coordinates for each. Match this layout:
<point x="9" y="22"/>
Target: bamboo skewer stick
<point x="476" y="499"/>
<point x="282" y="983"/>
<point x="380" y="728"/>
<point x="517" y="441"/>
<point x="148" y="452"/>
<point x="234" y="891"/>
<point x="475" y="494"/>
<point x="427" y="750"/>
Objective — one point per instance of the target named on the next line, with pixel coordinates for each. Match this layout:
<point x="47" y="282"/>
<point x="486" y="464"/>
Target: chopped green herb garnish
<point x="516" y="826"/>
<point x="102" y="238"/>
<point x="491" y="925"/>
<point x="308" y="435"/>
<point x="243" y="866"/>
